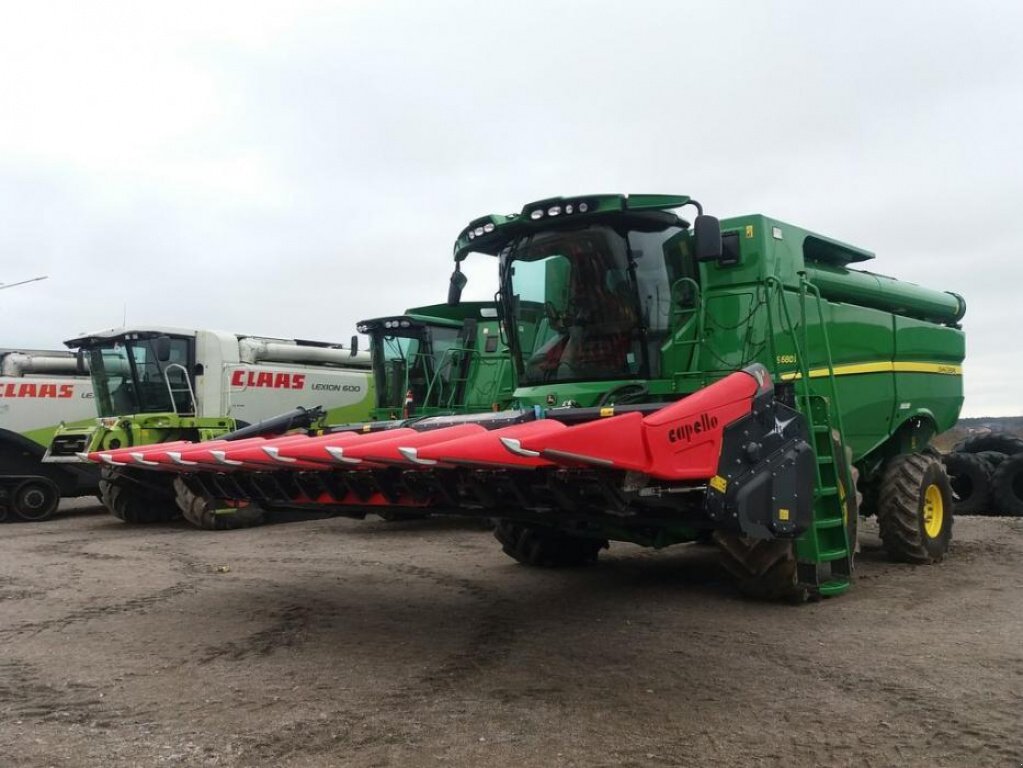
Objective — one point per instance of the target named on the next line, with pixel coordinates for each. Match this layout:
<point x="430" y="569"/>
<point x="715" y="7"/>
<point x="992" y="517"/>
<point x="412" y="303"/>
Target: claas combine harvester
<point x="39" y="390"/>
<point x="155" y="385"/>
<point x="731" y="380"/>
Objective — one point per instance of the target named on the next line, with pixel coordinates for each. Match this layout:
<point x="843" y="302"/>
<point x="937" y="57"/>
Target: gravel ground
<point x="345" y="643"/>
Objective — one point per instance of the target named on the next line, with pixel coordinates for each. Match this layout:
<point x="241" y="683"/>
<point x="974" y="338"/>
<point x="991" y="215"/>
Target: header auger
<point x="731" y="380"/>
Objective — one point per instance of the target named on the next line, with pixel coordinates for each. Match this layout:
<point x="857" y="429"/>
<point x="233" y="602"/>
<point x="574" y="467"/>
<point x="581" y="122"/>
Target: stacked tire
<point x="987" y="475"/>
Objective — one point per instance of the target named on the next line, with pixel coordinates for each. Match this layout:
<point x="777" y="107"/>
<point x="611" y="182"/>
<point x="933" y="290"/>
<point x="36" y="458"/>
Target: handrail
<point x="801" y="354"/>
<point x="188" y="387"/>
<point x="835" y="411"/>
<point x="695" y="316"/>
<point x="806" y="288"/>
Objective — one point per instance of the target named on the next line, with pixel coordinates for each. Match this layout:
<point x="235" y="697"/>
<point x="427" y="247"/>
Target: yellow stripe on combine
<point x="945" y="369"/>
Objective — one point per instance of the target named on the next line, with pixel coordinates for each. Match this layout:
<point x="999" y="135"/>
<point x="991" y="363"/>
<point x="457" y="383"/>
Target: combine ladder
<point x="824" y="553"/>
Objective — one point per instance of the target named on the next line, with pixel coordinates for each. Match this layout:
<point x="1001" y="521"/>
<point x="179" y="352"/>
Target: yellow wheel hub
<point x="934" y="511"/>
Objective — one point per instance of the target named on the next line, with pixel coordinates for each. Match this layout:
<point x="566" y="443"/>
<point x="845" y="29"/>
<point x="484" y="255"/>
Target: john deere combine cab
<point x="439" y="359"/>
<point x="40" y="389"/>
<point x="728" y="380"/>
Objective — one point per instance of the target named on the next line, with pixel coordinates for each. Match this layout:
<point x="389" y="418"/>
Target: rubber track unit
<point x="900" y="515"/>
<point x="1007" y="487"/>
<point x="538" y="546"/>
<point x="970" y="475"/>
<point x="202" y="513"/>
<point x="995" y="441"/>
<point x="134" y="503"/>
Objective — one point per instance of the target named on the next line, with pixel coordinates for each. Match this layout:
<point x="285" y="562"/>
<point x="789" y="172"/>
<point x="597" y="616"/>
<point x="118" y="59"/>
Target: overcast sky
<point x="290" y="168"/>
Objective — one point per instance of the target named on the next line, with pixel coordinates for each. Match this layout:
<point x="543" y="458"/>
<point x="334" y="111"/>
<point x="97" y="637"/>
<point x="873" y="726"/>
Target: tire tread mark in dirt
<point x="489" y="643"/>
<point x="23" y="695"/>
<point x="948" y="724"/>
<point x="492" y="637"/>
<point x="183" y="563"/>
<point x="286" y="631"/>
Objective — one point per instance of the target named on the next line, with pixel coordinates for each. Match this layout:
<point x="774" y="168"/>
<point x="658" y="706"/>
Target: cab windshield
<point x="417" y="360"/>
<point x="592" y="303"/>
<point x="128" y="378"/>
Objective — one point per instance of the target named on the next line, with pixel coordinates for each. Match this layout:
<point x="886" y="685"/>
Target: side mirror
<point x="81" y="362"/>
<point x="355" y="345"/>
<point x="458" y="281"/>
<point x="162" y="348"/>
<point x="707" y="233"/>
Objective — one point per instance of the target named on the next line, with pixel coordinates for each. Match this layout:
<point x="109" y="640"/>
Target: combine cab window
<point x="395" y="375"/>
<point x="591" y="303"/>
<point x="425" y="363"/>
<point x="128" y="378"/>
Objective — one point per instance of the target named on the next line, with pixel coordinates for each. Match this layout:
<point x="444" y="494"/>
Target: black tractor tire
<point x="1002" y="442"/>
<point x="915" y="510"/>
<point x="994" y="458"/>
<point x="133" y="502"/>
<point x="763" y="569"/>
<point x="1007" y="487"/>
<point x="35" y="499"/>
<point x="203" y="512"/>
<point x="970" y="475"/>
<point x="546" y="547"/>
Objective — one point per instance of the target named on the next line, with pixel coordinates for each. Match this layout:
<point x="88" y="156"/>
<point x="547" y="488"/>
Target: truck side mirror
<point x="458" y="281"/>
<point x="707" y="233"/>
<point x="355" y="345"/>
<point x="162" y="348"/>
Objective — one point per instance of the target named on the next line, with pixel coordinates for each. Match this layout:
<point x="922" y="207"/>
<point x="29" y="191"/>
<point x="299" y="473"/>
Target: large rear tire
<point x="545" y="547"/>
<point x="202" y="512"/>
<point x="970" y="475"/>
<point x="135" y="502"/>
<point x="914" y="513"/>
<point x="1007" y="487"/>
<point x="35" y="499"/>
<point x="994" y="441"/>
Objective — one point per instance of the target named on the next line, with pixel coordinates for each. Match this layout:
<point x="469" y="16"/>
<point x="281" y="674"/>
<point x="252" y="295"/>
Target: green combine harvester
<point x="731" y="380"/>
<point x="439" y="359"/>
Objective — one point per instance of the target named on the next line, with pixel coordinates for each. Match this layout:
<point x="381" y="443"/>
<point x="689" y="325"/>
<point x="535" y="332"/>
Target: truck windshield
<point x="127" y="377"/>
<point x="421" y="362"/>
<point x="592" y="303"/>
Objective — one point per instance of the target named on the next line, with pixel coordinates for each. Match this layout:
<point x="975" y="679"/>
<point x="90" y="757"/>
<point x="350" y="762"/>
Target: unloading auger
<point x="732" y="380"/>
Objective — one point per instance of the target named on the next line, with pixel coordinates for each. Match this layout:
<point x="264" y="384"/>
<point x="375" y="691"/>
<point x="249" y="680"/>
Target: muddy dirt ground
<point x="347" y="643"/>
